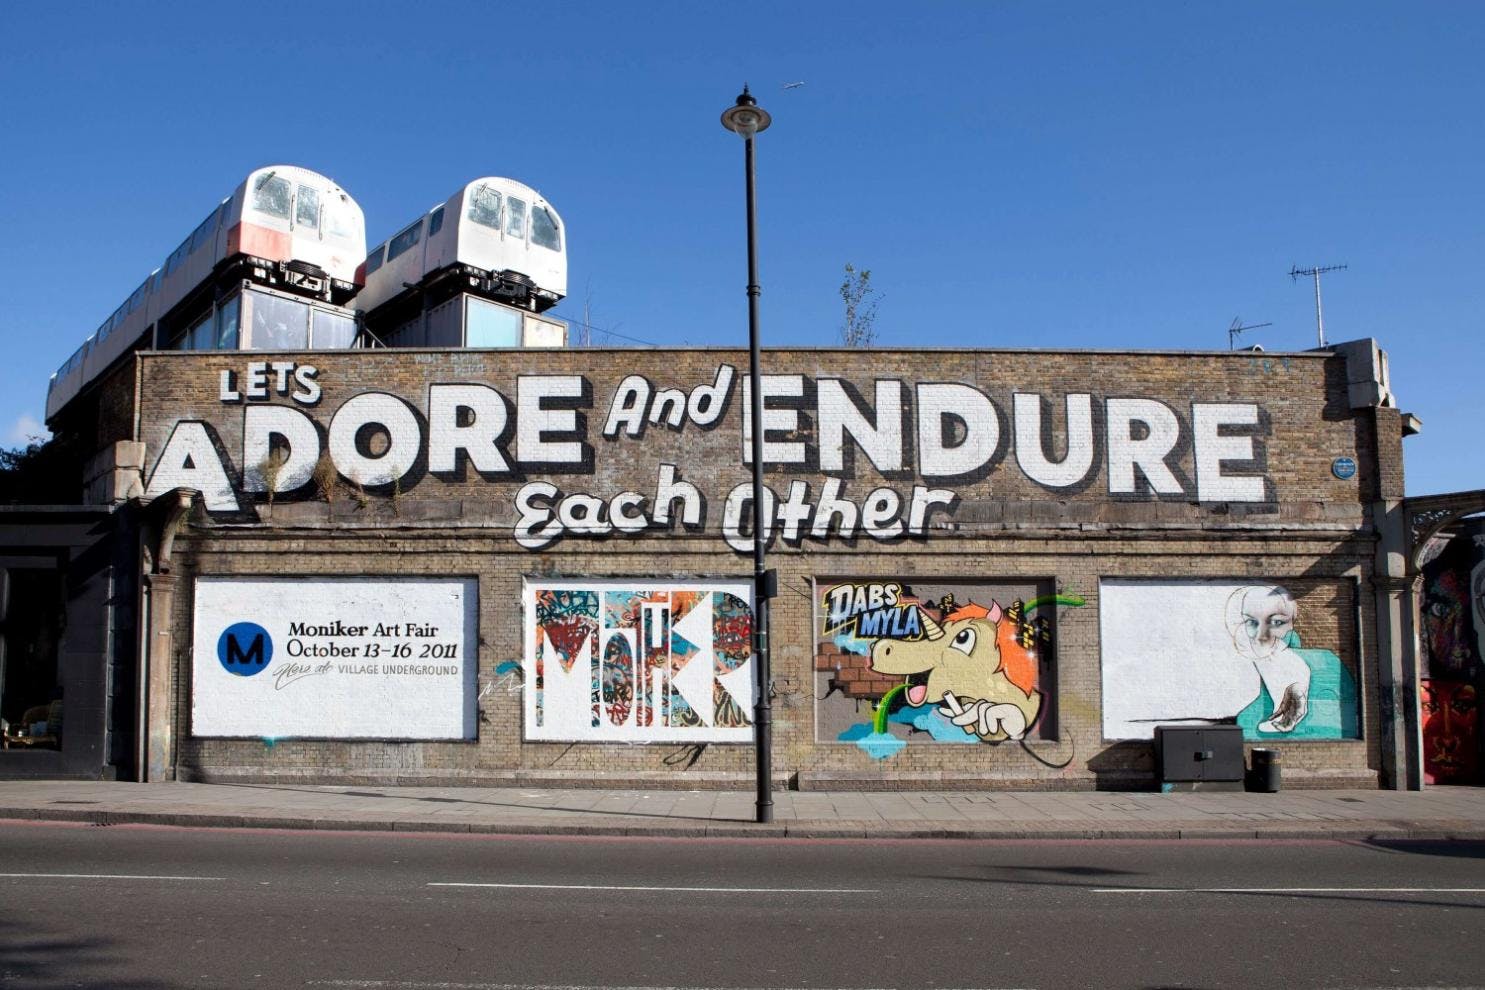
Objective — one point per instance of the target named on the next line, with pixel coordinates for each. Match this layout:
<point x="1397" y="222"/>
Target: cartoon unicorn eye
<point x="964" y="642"/>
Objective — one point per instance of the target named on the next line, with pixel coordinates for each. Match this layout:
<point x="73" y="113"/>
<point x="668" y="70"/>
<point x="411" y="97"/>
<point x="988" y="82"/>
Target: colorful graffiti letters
<point x="639" y="662"/>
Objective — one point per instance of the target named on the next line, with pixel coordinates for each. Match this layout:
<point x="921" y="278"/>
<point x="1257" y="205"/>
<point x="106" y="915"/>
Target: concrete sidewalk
<point x="1437" y="813"/>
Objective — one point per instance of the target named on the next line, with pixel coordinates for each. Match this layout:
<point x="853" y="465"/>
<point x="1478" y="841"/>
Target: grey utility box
<point x="1211" y="752"/>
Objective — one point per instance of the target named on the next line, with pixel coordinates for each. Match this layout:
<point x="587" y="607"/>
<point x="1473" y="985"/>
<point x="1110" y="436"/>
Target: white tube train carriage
<point x="284" y="226"/>
<point x="496" y="238"/>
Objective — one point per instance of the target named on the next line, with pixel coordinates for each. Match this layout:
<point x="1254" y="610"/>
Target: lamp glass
<point x="745" y="123"/>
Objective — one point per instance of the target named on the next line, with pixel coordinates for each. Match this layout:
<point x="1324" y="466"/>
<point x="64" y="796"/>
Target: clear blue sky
<point x="1101" y="175"/>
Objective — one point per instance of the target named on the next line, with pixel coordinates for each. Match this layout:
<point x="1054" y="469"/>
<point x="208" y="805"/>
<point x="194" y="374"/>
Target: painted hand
<point x="985" y="718"/>
<point x="1288" y="713"/>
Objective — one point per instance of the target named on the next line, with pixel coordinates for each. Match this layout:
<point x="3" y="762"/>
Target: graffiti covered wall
<point x="334" y="658"/>
<point x="1453" y="638"/>
<point x="1267" y="657"/>
<point x="901" y="662"/>
<point x="639" y="661"/>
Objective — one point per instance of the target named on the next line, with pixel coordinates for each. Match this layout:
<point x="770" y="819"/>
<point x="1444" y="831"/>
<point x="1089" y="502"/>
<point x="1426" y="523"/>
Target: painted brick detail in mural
<point x="1276" y="658"/>
<point x="639" y="661"/>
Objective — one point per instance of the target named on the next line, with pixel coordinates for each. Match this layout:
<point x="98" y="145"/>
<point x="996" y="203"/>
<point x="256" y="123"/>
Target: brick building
<point x="997" y="568"/>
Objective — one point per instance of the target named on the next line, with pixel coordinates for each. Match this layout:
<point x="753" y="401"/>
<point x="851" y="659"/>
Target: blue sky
<point x="1099" y="175"/>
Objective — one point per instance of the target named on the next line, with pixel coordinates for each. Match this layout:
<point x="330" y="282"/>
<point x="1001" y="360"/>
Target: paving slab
<point x="1435" y="813"/>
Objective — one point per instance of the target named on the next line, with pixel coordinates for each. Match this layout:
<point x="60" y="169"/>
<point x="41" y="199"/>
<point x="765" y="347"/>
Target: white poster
<point x="639" y="661"/>
<point x="334" y="658"/>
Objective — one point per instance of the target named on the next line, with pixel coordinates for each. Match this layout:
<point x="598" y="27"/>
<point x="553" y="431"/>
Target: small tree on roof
<point x="860" y="298"/>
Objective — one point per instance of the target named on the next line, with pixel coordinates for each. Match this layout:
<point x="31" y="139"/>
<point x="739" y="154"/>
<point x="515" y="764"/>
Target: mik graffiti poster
<point x="901" y="662"/>
<point x="334" y="658"/>
<point x="639" y="661"/>
<point x="1277" y="658"/>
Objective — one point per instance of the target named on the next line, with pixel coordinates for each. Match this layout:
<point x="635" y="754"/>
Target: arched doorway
<point x="1447" y="557"/>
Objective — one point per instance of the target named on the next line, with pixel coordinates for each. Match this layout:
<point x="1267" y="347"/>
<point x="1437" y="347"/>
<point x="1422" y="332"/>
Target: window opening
<point x="484" y="207"/>
<point x="332" y="330"/>
<point x="278" y="324"/>
<point x="307" y="208"/>
<point x="515" y="217"/>
<point x="337" y="218"/>
<point x="227" y="319"/>
<point x="31" y="705"/>
<point x="374" y="260"/>
<point x="404" y="240"/>
<point x="544" y="229"/>
<point x="435" y="222"/>
<point x="271" y="196"/>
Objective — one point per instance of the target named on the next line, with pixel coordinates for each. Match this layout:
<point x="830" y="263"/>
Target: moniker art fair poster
<point x="334" y="658"/>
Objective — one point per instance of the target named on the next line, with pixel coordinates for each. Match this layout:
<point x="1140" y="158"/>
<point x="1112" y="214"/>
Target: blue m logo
<point x="245" y="648"/>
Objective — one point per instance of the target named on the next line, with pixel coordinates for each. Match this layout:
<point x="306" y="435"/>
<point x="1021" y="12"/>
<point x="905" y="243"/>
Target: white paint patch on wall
<point x="334" y="658"/>
<point x="1168" y="655"/>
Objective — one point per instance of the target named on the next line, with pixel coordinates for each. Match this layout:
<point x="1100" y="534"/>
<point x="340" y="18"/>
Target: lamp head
<point x="746" y="118"/>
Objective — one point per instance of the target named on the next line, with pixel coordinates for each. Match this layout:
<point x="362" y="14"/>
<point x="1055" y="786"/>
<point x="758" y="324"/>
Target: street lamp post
<point x="746" y="119"/>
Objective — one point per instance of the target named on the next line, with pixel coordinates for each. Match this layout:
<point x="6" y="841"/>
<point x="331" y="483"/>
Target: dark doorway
<point x="33" y="608"/>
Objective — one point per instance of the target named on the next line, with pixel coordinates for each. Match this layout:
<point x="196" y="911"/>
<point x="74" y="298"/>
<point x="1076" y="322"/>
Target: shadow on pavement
<point x="487" y="804"/>
<point x="35" y="958"/>
<point x="1428" y="847"/>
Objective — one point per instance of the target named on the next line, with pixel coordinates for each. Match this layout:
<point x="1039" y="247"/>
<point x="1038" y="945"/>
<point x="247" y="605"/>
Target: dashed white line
<point x="699" y="890"/>
<point x="412" y="985"/>
<point x="99" y="876"/>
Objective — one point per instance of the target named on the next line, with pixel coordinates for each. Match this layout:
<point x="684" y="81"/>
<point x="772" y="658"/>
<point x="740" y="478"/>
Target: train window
<point x="337" y="219"/>
<point x="307" y="208"/>
<point x="204" y="233"/>
<point x="332" y="330"/>
<point x="515" y="217"/>
<point x="374" y="259"/>
<point x="177" y="256"/>
<point x="271" y="196"/>
<point x="404" y="240"/>
<point x="544" y="229"/>
<point x="484" y="207"/>
<point x="227" y="324"/>
<point x="435" y="222"/>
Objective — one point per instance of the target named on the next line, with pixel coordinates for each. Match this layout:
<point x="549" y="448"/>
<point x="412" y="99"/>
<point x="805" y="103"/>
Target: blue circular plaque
<point x="1343" y="468"/>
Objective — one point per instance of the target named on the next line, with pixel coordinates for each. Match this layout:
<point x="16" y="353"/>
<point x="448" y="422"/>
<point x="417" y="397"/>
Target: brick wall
<point x="1309" y="526"/>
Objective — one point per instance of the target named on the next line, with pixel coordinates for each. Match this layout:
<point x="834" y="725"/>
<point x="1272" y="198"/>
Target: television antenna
<point x="1315" y="273"/>
<point x="1236" y="330"/>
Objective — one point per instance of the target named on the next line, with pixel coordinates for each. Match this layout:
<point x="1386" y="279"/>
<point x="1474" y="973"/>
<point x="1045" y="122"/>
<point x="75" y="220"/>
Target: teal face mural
<point x="1251" y="654"/>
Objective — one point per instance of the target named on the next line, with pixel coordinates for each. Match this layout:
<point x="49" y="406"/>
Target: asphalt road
<point x="145" y="907"/>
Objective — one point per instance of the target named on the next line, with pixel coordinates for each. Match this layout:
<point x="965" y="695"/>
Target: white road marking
<point x="413" y="985"/>
<point x="1289" y="890"/>
<point x="699" y="890"/>
<point x="102" y="876"/>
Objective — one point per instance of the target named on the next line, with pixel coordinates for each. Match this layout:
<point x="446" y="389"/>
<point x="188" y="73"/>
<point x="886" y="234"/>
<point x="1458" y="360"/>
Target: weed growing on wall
<point x="326" y="478"/>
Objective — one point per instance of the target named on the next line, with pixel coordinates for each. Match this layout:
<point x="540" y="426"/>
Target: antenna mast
<point x="1315" y="273"/>
<point x="1236" y="330"/>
